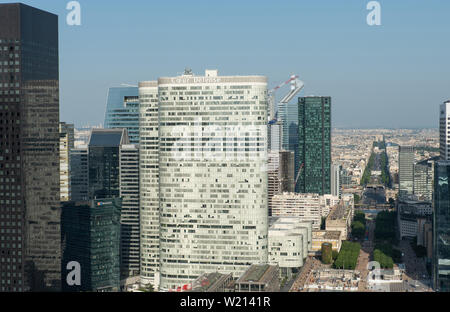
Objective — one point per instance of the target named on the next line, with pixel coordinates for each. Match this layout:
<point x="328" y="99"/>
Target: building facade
<point x="66" y="144"/>
<point x="441" y="227"/>
<point x="314" y="120"/>
<point x="79" y="173"/>
<point x="130" y="212"/>
<point x="212" y="175"/>
<point x="336" y="185"/>
<point x="444" y="130"/>
<point x="424" y="179"/>
<point x="104" y="162"/>
<point x="149" y="182"/>
<point x="122" y="111"/>
<point x="91" y="236"/>
<point x="30" y="210"/>
<point x="304" y="206"/>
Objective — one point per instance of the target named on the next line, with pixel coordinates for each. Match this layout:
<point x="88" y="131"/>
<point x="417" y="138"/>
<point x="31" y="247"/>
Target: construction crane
<point x="296" y="87"/>
<point x="298" y="175"/>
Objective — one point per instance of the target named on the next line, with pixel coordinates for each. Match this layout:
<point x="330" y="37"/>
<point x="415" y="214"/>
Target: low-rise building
<point x="259" y="278"/>
<point x="305" y="206"/>
<point x="289" y="243"/>
<point x="211" y="282"/>
<point x="340" y="219"/>
<point x="321" y="237"/>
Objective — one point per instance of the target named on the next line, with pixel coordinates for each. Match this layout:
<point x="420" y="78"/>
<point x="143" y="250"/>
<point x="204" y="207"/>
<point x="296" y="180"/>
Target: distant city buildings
<point x="315" y="145"/>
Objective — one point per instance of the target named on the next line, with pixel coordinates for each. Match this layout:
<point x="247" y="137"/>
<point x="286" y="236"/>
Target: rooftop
<point x="257" y="273"/>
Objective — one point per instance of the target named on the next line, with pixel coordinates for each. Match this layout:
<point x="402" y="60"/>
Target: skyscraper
<point x="104" y="162"/>
<point x="444" y="130"/>
<point x="212" y="174"/>
<point x="314" y="113"/>
<point x="149" y="182"/>
<point x="441" y="227"/>
<point x="122" y="111"/>
<point x="91" y="237"/>
<point x="79" y="173"/>
<point x="66" y="144"/>
<point x="29" y="150"/>
<point x="424" y="178"/>
<point x="129" y="219"/>
<point x="336" y="180"/>
<point x="406" y="171"/>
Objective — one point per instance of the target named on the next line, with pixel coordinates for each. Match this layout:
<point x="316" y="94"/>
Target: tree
<point x="327" y="253"/>
<point x="358" y="229"/>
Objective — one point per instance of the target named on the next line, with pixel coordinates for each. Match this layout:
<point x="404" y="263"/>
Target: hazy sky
<point x="394" y="75"/>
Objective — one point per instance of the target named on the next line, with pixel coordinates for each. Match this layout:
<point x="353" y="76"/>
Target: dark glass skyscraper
<point x="441" y="227"/>
<point x="104" y="162"/>
<point x="314" y="149"/>
<point x="91" y="236"/>
<point x="30" y="238"/>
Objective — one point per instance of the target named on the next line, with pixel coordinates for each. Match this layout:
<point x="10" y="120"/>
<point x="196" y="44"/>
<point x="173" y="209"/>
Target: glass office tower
<point x="122" y="111"/>
<point x="104" y="165"/>
<point x="314" y="119"/>
<point x="441" y="227"/>
<point x="91" y="236"/>
<point x="30" y="242"/>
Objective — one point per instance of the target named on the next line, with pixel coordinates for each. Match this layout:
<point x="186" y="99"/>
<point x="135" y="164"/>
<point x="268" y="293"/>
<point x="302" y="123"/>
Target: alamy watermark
<point x="374" y="16"/>
<point x="74" y="16"/>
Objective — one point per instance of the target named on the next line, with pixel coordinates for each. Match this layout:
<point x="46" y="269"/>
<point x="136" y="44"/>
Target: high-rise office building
<point x="104" y="162"/>
<point x="406" y="171"/>
<point x="129" y="219"/>
<point x="30" y="241"/>
<point x="280" y="174"/>
<point x="91" y="237"/>
<point x="212" y="174"/>
<point x="275" y="136"/>
<point x="79" y="173"/>
<point x="314" y="113"/>
<point x="444" y="131"/>
<point x="122" y="111"/>
<point x="66" y="144"/>
<point x="336" y="189"/>
<point x="424" y="179"/>
<point x="441" y="227"/>
<point x="149" y="182"/>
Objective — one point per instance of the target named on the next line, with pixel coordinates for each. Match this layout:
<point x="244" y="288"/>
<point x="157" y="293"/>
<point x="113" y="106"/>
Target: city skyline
<point x="365" y="69"/>
<point x="227" y="179"/>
